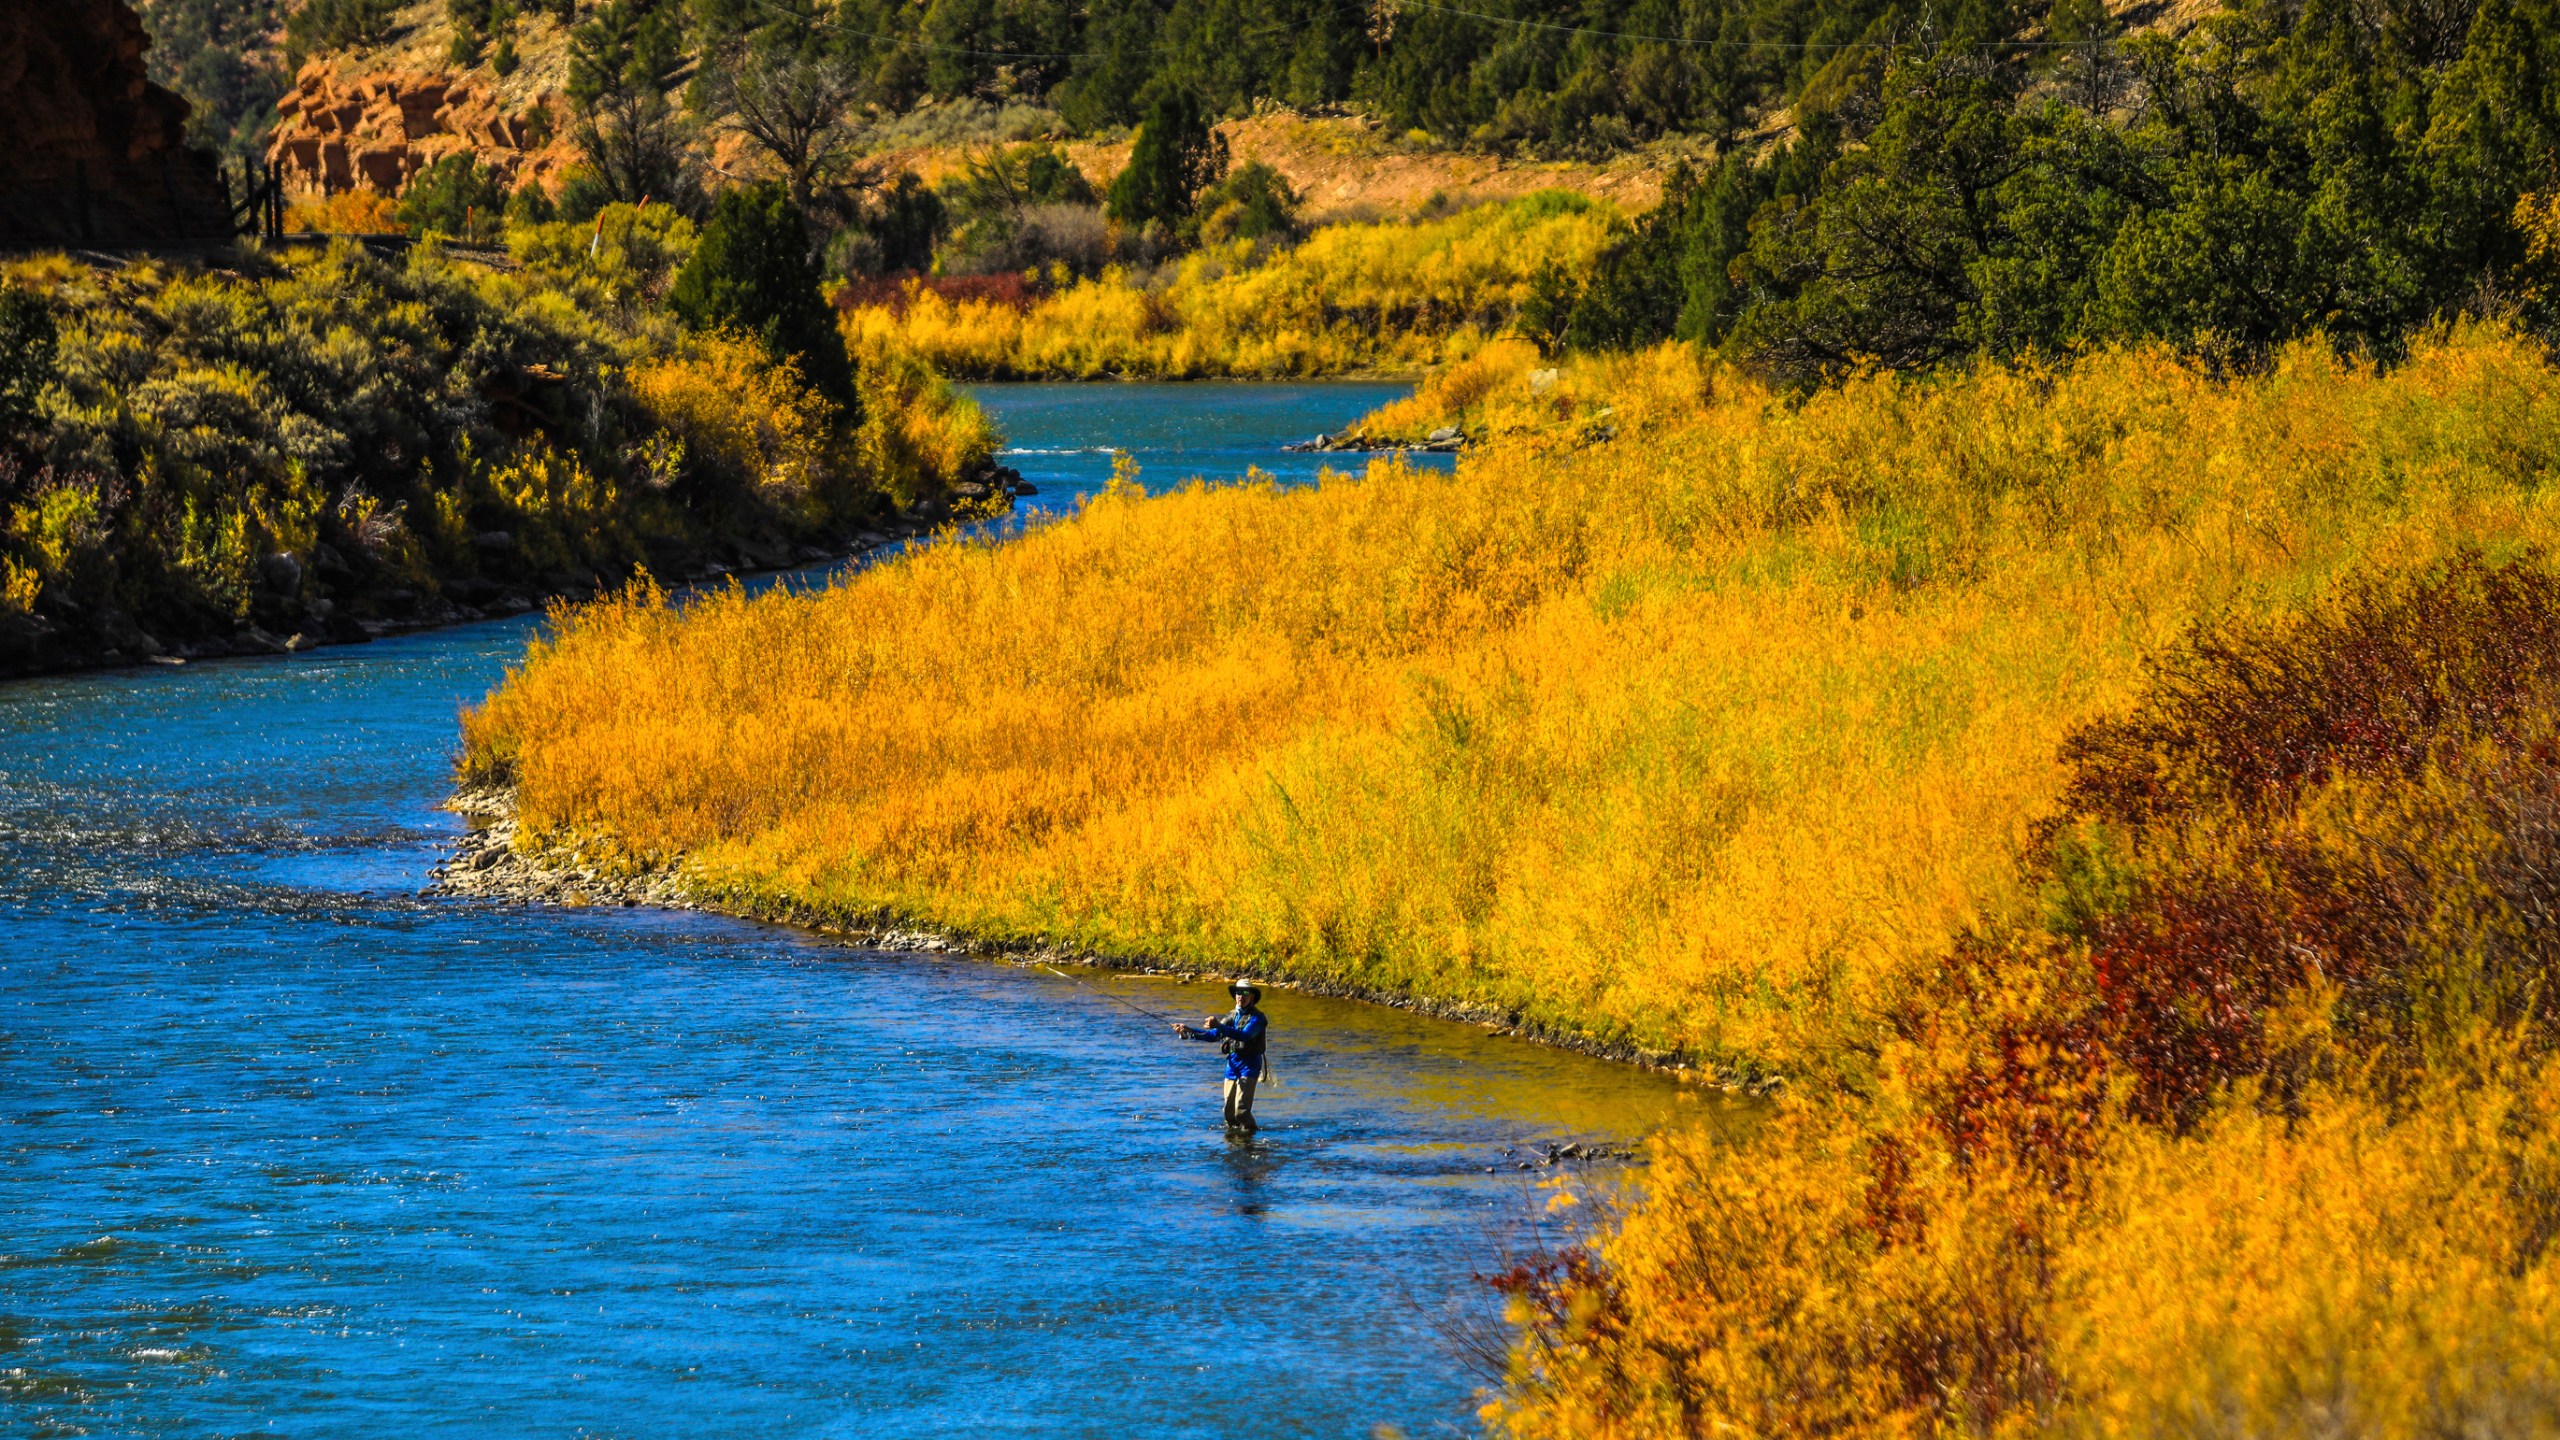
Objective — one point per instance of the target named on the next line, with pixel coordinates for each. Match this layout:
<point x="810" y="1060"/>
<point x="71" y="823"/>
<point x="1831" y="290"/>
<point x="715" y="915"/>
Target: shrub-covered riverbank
<point x="277" y="452"/>
<point x="2116" y="792"/>
<point x="1387" y="297"/>
<point x="2251" y="1114"/>
<point x="1707" y="736"/>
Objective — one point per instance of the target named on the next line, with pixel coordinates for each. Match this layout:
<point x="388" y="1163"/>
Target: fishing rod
<point x="1270" y="1072"/>
<point x="1107" y="995"/>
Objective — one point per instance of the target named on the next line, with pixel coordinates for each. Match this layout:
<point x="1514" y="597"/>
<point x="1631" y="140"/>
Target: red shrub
<point x="2254" y="714"/>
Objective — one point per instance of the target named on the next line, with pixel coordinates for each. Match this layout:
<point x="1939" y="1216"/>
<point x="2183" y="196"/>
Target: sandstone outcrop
<point x="91" y="152"/>
<point x="374" y="131"/>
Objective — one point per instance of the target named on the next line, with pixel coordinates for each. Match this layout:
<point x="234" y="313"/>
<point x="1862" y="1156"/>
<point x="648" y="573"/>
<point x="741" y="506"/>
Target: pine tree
<point x="27" y="344"/>
<point x="1177" y="156"/>
<point x="752" y="272"/>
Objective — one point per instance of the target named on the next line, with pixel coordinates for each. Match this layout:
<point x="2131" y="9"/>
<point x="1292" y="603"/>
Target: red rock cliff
<point x="374" y="131"/>
<point x="91" y="152"/>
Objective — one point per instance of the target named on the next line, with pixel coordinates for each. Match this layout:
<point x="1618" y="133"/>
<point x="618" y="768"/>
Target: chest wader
<point x="1239" y="1092"/>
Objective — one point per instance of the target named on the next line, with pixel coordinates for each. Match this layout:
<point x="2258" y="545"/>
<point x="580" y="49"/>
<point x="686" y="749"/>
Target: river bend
<point x="288" y="1149"/>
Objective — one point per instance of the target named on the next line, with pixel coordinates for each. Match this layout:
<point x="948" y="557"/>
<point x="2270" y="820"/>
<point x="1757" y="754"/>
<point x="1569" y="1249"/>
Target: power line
<point x="922" y="44"/>
<point x="1546" y="25"/>
<point x="1733" y="44"/>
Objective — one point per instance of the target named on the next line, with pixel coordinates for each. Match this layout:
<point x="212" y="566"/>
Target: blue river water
<point x="288" y="1148"/>
<point x="1061" y="437"/>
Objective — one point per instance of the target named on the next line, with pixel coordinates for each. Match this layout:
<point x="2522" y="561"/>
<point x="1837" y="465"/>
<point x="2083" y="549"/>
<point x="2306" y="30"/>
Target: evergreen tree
<point x="1119" y="57"/>
<point x="1634" y="295"/>
<point x="751" y="272"/>
<point x="470" y="22"/>
<point x="905" y="224"/>
<point x="530" y="206"/>
<point x="620" y="64"/>
<point x="1672" y="275"/>
<point x="1177" y="155"/>
<point x="322" y="26"/>
<point x="1251" y="202"/>
<point x="1880" y="263"/>
<point x="215" y="53"/>
<point x="28" y="338"/>
<point x="627" y="47"/>
<point x="455" y="196"/>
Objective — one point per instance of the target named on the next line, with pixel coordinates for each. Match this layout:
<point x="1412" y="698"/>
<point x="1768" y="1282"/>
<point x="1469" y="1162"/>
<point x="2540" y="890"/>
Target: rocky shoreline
<point x="1447" y="440"/>
<point x="490" y="864"/>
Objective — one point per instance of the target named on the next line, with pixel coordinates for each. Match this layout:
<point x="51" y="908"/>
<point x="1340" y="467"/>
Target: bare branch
<point x="803" y="114"/>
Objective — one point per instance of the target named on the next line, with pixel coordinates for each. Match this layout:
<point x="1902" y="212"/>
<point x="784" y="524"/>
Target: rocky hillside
<point x="1349" y="167"/>
<point x="375" y="130"/>
<point x="369" y="117"/>
<point x="95" y="152"/>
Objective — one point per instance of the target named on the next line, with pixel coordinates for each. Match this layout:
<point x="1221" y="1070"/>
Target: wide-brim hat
<point x="1245" y="987"/>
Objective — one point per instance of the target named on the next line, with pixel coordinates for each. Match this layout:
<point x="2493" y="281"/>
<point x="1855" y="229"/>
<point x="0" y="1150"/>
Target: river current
<point x="289" y="1149"/>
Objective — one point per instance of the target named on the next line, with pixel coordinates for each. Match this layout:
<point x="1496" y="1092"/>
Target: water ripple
<point x="289" y="1149"/>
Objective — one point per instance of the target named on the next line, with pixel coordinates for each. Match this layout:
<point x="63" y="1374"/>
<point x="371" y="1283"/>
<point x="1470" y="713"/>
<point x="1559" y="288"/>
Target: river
<point x="1215" y="431"/>
<point x="293" y="1150"/>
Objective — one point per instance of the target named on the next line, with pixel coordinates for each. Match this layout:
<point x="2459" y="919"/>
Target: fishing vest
<point x="1249" y="1049"/>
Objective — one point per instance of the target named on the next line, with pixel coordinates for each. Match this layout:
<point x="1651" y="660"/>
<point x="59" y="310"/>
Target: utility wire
<point x="1513" y="20"/>
<point x="922" y="44"/>
<point x="1734" y="44"/>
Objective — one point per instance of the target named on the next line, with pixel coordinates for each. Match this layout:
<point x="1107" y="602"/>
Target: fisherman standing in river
<point x="1240" y="1036"/>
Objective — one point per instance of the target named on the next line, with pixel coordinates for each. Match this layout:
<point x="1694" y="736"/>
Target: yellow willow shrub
<point x="2360" y="1268"/>
<point x="2331" y="841"/>
<point x="2349" y="1272"/>
<point x="1506" y="391"/>
<point x="1709" y="737"/>
<point x="349" y="212"/>
<point x="567" y="516"/>
<point x="1751" y="1291"/>
<point x="56" y="525"/>
<point x="1452" y="393"/>
<point x="917" y="432"/>
<point x="1386" y="296"/>
<point x="972" y="338"/>
<point x="627" y="254"/>
<point x="743" y="415"/>
<point x="2537" y="218"/>
<point x="19" y="587"/>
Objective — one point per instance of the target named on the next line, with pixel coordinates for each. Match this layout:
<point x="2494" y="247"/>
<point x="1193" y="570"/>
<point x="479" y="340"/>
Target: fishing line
<point x="1107" y="995"/>
<point x="1270" y="1072"/>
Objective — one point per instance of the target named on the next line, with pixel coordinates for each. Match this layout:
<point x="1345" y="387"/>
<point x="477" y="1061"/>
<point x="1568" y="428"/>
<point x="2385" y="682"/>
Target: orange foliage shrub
<point x="1388" y="296"/>
<point x="2263" y="1126"/>
<point x="748" y="419"/>
<point x="349" y="212"/>
<point x="1710" y="739"/>
<point x="2170" y="921"/>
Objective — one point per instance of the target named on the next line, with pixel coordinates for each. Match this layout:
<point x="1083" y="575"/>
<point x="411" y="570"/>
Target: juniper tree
<point x="1177" y="156"/>
<point x="752" y="272"/>
<point x="27" y="348"/>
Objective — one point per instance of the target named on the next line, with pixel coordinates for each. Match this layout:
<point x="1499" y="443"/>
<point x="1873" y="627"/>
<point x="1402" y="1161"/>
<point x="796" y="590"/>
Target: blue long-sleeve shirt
<point x="1245" y="1027"/>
